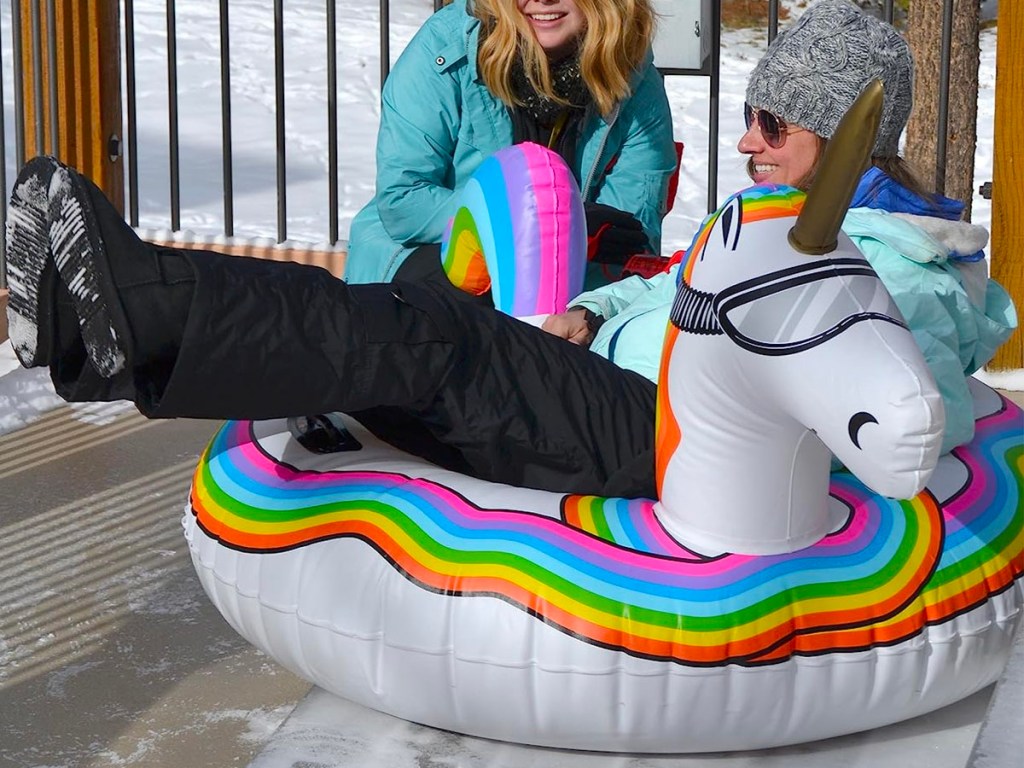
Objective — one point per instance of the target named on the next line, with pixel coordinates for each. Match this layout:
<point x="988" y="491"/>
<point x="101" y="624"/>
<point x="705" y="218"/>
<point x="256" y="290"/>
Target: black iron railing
<point x="45" y="47"/>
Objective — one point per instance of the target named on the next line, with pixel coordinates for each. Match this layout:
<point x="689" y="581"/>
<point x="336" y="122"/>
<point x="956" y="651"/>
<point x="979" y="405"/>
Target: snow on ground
<point x="358" y="72"/>
<point x="25" y="394"/>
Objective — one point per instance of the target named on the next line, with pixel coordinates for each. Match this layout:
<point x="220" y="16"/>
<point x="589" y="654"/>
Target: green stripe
<point x="998" y="547"/>
<point x="600" y="519"/>
<point x="559" y="585"/>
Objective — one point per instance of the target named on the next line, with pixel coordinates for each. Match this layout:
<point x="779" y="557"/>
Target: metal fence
<point x="41" y="14"/>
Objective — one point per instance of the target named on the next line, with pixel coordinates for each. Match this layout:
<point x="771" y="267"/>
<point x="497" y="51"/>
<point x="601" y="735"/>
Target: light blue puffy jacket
<point x="439" y="122"/>
<point x="930" y="265"/>
<point x="958" y="316"/>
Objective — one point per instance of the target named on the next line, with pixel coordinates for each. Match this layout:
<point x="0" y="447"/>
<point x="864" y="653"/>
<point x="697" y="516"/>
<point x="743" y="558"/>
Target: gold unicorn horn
<point x="846" y="156"/>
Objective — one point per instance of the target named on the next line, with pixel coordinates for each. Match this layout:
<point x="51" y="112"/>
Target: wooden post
<point x="1008" y="174"/>
<point x="88" y="87"/>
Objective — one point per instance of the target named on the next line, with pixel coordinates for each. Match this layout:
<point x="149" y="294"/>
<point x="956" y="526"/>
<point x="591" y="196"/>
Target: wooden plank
<point x="88" y="86"/>
<point x="1008" y="174"/>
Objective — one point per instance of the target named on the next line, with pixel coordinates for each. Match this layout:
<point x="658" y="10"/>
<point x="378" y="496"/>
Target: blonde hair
<point x="616" y="36"/>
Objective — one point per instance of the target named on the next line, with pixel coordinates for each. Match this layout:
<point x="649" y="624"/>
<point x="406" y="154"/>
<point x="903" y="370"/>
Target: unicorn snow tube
<point x="579" y="622"/>
<point x="633" y="625"/>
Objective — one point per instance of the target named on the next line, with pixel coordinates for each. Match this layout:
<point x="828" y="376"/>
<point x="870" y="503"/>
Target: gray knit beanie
<point x="814" y="71"/>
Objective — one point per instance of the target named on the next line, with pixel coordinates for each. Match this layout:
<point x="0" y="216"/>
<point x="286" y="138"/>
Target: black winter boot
<point x="32" y="275"/>
<point x="131" y="298"/>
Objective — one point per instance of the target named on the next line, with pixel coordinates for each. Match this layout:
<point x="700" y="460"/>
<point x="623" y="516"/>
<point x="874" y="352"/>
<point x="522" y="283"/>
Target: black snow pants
<point x="446" y="379"/>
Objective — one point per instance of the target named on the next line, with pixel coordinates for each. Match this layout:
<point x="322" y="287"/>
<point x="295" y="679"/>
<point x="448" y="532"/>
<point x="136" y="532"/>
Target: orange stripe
<point x="571" y="511"/>
<point x="972" y="595"/>
<point x="666" y="427"/>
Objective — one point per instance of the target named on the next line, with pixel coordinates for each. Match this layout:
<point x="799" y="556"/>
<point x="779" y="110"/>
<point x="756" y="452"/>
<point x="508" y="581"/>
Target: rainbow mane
<point x="758" y="204"/>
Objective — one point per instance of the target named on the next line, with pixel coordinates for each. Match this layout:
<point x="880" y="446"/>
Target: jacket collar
<point x="878" y="190"/>
<point x="463" y="45"/>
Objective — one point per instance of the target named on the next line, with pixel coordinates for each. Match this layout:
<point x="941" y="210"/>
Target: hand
<point x="571" y="325"/>
<point x="613" y="235"/>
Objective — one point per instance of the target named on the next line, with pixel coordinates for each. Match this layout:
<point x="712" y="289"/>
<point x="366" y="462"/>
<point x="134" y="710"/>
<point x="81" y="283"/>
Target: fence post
<point x="79" y="41"/>
<point x="1008" y="174"/>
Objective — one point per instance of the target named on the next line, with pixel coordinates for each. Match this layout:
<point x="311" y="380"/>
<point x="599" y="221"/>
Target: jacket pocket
<point x="656" y="192"/>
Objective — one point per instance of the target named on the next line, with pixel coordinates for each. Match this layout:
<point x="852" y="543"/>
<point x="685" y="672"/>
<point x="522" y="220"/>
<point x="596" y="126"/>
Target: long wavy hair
<point x="615" y="39"/>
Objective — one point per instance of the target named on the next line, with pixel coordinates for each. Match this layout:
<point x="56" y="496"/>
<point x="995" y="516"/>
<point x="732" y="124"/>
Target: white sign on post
<point x="683" y="36"/>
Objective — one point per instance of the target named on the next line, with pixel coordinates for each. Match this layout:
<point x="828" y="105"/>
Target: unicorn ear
<point x="846" y="156"/>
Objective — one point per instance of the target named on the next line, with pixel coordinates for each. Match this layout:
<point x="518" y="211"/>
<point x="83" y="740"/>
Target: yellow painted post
<point x="88" y="87"/>
<point x="1008" y="174"/>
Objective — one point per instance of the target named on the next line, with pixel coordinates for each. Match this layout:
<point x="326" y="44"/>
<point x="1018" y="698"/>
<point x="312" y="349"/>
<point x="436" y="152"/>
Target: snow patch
<point x="260" y="724"/>
<point x="1011" y="381"/>
<point x="57" y="682"/>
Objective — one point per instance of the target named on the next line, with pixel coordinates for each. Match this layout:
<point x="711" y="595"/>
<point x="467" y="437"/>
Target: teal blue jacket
<point x="929" y="264"/>
<point x="439" y="122"/>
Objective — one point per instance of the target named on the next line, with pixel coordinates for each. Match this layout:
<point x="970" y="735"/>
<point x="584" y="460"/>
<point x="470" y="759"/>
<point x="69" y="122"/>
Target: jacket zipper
<point x="600" y="153"/>
<point x="391" y="262"/>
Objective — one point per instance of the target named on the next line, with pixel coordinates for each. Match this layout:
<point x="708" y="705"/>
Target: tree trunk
<point x="924" y="33"/>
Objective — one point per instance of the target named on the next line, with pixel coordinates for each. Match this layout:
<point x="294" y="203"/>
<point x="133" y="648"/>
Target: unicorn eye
<point x="857" y="421"/>
<point x="731" y="221"/>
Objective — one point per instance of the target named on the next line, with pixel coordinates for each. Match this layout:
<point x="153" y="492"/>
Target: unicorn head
<point x="782" y="330"/>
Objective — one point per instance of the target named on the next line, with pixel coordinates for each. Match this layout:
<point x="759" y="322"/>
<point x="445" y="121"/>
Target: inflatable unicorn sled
<point x="760" y="601"/>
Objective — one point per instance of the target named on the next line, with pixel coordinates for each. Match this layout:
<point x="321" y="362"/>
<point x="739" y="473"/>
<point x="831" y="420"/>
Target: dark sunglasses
<point x="773" y="128"/>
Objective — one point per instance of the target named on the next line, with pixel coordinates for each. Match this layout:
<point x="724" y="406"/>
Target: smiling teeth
<point x="758" y="168"/>
<point x="546" y="16"/>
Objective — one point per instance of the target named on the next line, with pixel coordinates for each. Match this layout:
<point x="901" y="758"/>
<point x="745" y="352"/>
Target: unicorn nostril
<point x="857" y="421"/>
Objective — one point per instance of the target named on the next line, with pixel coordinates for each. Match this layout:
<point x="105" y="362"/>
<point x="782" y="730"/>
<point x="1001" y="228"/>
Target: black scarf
<point x="535" y="120"/>
<point x="566" y="82"/>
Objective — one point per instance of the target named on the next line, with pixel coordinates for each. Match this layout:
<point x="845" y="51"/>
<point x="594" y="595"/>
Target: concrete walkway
<point x="110" y="653"/>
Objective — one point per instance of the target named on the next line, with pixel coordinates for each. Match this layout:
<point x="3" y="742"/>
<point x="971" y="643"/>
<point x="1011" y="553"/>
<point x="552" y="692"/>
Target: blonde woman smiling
<point x="574" y="75"/>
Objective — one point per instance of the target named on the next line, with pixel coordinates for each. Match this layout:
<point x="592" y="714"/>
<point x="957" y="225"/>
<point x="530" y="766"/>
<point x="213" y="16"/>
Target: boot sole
<point x="81" y="262"/>
<point x="29" y="270"/>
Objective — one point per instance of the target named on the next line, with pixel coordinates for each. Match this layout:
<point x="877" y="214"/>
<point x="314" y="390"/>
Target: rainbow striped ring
<point x="578" y="622"/>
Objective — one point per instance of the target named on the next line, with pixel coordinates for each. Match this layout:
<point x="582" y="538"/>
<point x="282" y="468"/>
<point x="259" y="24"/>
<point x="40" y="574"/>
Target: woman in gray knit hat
<point x="809" y="78"/>
<point x="931" y="262"/>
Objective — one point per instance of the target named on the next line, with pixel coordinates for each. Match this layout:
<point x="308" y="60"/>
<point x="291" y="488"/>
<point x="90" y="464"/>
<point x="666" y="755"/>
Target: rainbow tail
<point x="463" y="256"/>
<point x="519" y="230"/>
